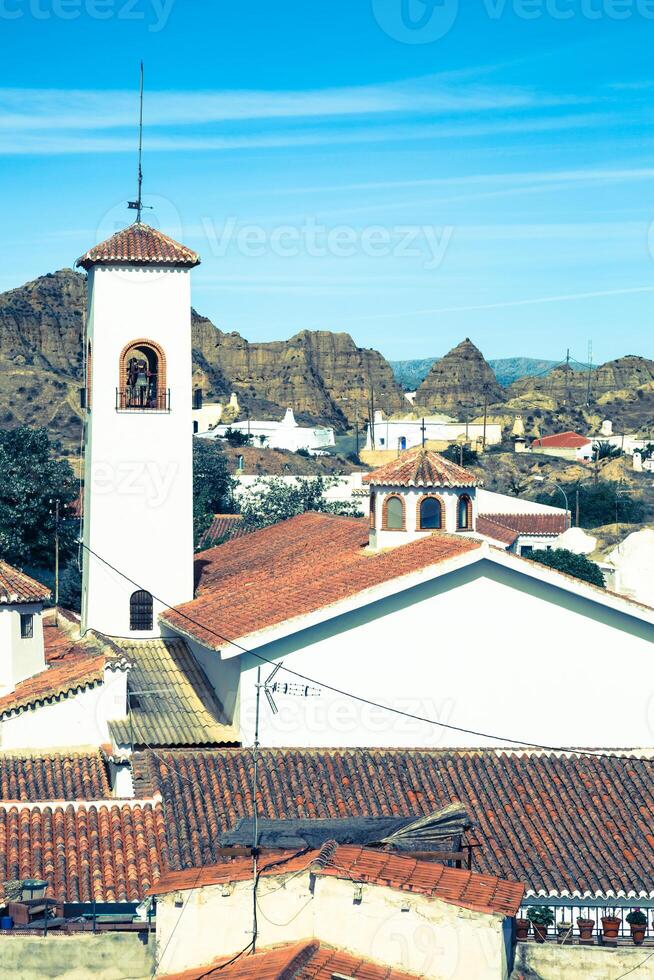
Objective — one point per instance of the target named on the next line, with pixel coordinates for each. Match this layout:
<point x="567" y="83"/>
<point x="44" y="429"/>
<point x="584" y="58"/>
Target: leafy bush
<point x="601" y="502"/>
<point x="268" y="501"/>
<point x="462" y="455"/>
<point x="542" y="915"/>
<point x="577" y="565"/>
<point x="237" y="438"/>
<point x="637" y="918"/>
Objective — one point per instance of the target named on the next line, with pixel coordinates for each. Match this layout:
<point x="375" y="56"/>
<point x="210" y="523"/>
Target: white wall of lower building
<point x="483" y="648"/>
<point x="401" y="434"/>
<point x="199" y="926"/>
<point x="19" y="658"/>
<point x="78" y="720"/>
<point x="490" y="502"/>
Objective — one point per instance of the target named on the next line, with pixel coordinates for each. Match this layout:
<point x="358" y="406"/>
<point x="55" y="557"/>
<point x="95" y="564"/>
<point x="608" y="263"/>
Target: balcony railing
<point x="593" y="910"/>
<point x="139" y="399"/>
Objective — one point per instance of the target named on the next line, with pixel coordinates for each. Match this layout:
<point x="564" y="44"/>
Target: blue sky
<point x="409" y="171"/>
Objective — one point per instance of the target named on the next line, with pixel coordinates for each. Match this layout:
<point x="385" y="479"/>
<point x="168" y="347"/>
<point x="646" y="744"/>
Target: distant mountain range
<point x="410" y="374"/>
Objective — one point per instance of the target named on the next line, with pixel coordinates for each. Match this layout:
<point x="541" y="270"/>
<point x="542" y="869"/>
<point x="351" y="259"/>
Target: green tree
<point x="604" y="502"/>
<point x="213" y="487"/>
<point x="32" y="478"/>
<point x="461" y="454"/>
<point x="237" y="438"/>
<point x="606" y="450"/>
<point x="572" y="564"/>
<point x="269" y="501"/>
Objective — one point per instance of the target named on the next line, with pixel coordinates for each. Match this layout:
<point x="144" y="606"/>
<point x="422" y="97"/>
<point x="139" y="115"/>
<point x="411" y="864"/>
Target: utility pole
<point x="356" y="426"/>
<point x="577" y="508"/>
<point x="590" y="371"/>
<point x="372" y="412"/>
<point x="57" y="506"/>
<point x="485" y="416"/>
<point x="423" y="430"/>
<point x="567" y="377"/>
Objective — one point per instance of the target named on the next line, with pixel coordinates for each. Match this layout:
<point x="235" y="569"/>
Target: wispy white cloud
<point x="76" y="109"/>
<point x="536" y="301"/>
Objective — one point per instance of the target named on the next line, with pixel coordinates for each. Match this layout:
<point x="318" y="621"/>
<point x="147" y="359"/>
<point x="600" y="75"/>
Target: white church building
<point x="412" y="626"/>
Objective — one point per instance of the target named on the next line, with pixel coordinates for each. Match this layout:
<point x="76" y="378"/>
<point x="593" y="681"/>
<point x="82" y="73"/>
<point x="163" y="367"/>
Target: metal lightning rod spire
<point x="138" y="205"/>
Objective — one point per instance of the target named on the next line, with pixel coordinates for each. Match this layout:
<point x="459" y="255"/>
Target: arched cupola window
<point x="140" y="611"/>
<point x="464" y="513"/>
<point x="142" y="378"/>
<point x="393" y="514"/>
<point x="430" y="514"/>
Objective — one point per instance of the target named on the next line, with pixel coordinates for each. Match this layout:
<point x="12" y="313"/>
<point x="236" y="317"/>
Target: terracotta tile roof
<point x="295" y="568"/>
<point x="60" y="776"/>
<point x="17" y="587"/>
<point x="185" y="709"/>
<point x="104" y="852"/>
<point x="73" y="672"/>
<point x="563" y="440"/>
<point x="306" y="960"/>
<point x="139" y="244"/>
<point x="420" y="467"/>
<point x="466" y="889"/>
<point x="223" y="528"/>
<point x="498" y="532"/>
<point x="560" y="824"/>
<point x="536" y="524"/>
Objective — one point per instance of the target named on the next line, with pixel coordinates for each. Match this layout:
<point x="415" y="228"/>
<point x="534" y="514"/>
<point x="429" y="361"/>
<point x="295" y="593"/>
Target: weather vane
<point x="138" y="204"/>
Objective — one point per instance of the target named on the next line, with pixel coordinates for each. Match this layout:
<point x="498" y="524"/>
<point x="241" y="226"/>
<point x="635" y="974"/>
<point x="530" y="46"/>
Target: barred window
<point x="140" y="611"/>
<point x="26" y="626"/>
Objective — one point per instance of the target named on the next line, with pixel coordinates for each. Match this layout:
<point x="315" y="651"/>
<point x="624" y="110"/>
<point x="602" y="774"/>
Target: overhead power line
<point x="502" y="739"/>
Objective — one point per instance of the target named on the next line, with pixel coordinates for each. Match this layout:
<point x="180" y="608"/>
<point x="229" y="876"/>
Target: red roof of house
<point x="223" y="528"/>
<point x="71" y="673"/>
<point x="466" y="889"/>
<point x="58" y="776"/>
<point x="139" y="244"/>
<point x="420" y="467"/>
<point x="306" y="960"/>
<point x="537" y="524"/>
<point x="558" y="823"/>
<point x="563" y="440"/>
<point x="17" y="587"/>
<point x="491" y="528"/>
<point x="292" y="569"/>
<point x="104" y="852"/>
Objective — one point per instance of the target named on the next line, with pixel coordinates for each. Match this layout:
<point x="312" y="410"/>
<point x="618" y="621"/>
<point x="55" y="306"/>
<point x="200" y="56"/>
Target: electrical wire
<point x="637" y="967"/>
<point x="503" y="740"/>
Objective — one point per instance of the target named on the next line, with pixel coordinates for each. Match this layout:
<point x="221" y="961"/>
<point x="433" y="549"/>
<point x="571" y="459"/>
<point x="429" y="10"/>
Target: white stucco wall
<point x="138" y="503"/>
<point x="408" y="931"/>
<point x="483" y="648"/>
<point x="76" y="721"/>
<point x="394" y="434"/>
<point x="345" y="488"/>
<point x="490" y="502"/>
<point x="19" y="658"/>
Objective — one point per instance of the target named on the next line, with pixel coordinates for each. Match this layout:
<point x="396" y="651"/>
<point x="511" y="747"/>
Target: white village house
<point x="399" y="434"/>
<point x="284" y="434"/>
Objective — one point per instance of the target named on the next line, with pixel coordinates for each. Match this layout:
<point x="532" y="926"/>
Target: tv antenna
<point x="138" y="204"/>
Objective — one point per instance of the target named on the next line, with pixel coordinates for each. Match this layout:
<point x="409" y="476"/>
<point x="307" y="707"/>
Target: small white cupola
<point x="420" y="493"/>
<point x="21" y="629"/>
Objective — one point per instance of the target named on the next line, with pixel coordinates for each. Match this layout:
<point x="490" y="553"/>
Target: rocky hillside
<point x="324" y="376"/>
<point x="459" y="382"/>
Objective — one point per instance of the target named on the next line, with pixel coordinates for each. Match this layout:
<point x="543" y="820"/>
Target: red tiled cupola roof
<point x="422" y="468"/>
<point x="16" y="586"/>
<point x="563" y="440"/>
<point x="139" y="245"/>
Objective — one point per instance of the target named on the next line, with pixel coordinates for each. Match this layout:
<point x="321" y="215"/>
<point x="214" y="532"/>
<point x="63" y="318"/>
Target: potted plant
<point x="638" y="922"/>
<point x="586" y="927"/>
<point x="540" y="916"/>
<point x="564" y="930"/>
<point x="611" y="925"/>
<point x="522" y="927"/>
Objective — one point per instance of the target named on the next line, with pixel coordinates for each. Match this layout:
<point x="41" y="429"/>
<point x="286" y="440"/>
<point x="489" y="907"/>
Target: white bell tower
<point x="138" y="463"/>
